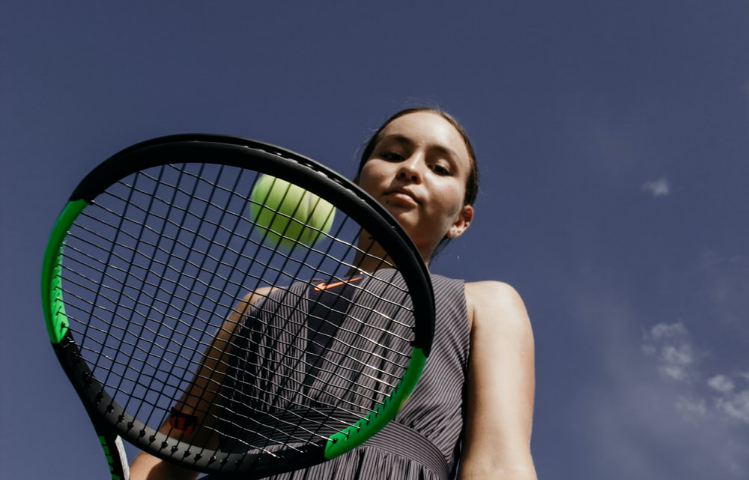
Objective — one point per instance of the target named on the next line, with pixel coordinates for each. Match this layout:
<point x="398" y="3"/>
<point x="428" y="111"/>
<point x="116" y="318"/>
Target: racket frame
<point x="109" y="419"/>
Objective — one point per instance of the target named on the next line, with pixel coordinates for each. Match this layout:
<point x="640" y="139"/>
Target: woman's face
<point x="418" y="171"/>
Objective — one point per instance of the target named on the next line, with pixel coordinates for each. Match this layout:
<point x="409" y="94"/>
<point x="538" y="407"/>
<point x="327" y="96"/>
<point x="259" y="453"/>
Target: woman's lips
<point x="402" y="194"/>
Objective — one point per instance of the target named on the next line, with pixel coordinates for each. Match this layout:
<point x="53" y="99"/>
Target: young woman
<point x="473" y="406"/>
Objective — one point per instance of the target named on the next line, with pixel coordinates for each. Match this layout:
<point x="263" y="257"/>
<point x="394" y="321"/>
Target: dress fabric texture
<point x="434" y="411"/>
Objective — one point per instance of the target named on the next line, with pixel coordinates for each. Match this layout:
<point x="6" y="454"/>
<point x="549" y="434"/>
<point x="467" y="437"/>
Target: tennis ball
<point x="288" y="215"/>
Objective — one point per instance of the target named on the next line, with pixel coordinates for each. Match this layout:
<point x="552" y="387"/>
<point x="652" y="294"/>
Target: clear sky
<point x="613" y="139"/>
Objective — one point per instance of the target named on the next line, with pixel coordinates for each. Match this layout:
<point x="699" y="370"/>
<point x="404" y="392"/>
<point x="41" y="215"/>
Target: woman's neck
<point x="371" y="257"/>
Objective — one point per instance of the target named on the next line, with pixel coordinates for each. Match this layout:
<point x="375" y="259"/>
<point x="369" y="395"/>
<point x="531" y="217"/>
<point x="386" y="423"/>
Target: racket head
<point x="94" y="291"/>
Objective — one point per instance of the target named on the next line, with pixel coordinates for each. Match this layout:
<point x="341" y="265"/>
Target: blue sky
<point x="613" y="139"/>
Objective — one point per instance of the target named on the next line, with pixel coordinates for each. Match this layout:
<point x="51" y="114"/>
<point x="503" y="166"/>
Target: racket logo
<point x="182" y="422"/>
<point x="327" y="286"/>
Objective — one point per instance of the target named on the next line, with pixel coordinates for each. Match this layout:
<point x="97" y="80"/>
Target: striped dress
<point x="422" y="443"/>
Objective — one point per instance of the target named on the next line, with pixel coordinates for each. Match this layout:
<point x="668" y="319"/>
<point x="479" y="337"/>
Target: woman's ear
<point x="461" y="224"/>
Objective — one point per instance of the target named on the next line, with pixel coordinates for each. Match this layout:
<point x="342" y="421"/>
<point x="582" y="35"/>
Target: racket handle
<point x="114" y="451"/>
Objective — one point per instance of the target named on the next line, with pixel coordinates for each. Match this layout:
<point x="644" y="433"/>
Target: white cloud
<point x="730" y="402"/>
<point x="735" y="406"/>
<point x="721" y="384"/>
<point x="666" y="331"/>
<point x="691" y="409"/>
<point x="671" y="347"/>
<point x="651" y="413"/>
<point x="724" y="283"/>
<point x="657" y="188"/>
<point x="672" y="399"/>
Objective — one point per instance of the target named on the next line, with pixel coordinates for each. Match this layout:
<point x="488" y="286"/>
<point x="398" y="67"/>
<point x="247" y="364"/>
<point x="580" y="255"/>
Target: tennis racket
<point x="188" y="334"/>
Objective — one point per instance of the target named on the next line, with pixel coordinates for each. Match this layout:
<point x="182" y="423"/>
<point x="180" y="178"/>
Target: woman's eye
<point x="391" y="156"/>
<point x="440" y="169"/>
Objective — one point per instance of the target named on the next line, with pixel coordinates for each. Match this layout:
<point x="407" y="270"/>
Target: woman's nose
<point x="409" y="170"/>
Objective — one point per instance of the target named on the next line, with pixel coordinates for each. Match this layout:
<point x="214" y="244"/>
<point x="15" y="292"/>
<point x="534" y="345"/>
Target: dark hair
<point x="472" y="183"/>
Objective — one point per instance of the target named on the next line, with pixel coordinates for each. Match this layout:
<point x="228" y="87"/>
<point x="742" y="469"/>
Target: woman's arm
<point x="501" y="383"/>
<point x="148" y="467"/>
<point x="200" y="397"/>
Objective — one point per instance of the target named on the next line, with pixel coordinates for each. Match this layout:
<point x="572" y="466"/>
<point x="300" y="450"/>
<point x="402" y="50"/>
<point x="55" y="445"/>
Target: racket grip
<point x="114" y="451"/>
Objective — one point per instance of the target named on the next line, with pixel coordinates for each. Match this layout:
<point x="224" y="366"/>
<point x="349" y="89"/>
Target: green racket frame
<point x="109" y="418"/>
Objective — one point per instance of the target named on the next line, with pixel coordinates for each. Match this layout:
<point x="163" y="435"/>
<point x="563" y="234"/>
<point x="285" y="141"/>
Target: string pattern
<point x="199" y="329"/>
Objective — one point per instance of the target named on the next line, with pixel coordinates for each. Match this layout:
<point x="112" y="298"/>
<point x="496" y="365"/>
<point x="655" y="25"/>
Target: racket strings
<point x="318" y="429"/>
<point x="138" y="237"/>
<point x="351" y="397"/>
<point x="213" y="240"/>
<point x="158" y="264"/>
<point x="167" y="366"/>
<point x="340" y="372"/>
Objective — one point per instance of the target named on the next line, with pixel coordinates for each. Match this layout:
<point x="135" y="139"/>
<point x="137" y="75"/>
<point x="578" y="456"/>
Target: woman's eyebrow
<point x="398" y="138"/>
<point x="406" y="141"/>
<point x="449" y="153"/>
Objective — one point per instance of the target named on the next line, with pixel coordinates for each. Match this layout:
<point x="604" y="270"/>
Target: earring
<point x="453" y="232"/>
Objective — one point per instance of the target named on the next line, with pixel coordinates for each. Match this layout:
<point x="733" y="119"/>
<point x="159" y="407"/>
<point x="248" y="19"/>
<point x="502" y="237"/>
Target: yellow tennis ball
<point x="288" y="215"/>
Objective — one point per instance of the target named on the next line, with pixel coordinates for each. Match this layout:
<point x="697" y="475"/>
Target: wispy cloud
<point x="671" y="347"/>
<point x="735" y="405"/>
<point x="691" y="409"/>
<point x="711" y="259"/>
<point x="724" y="284"/>
<point x="653" y="414"/>
<point x="721" y="384"/>
<point x="657" y="188"/>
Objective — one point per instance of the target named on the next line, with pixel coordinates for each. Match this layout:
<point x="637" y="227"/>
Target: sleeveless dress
<point x="422" y="442"/>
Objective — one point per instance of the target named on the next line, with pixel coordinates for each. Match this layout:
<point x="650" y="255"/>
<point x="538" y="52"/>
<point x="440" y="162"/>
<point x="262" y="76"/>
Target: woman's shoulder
<point x="491" y="289"/>
<point x="495" y="302"/>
